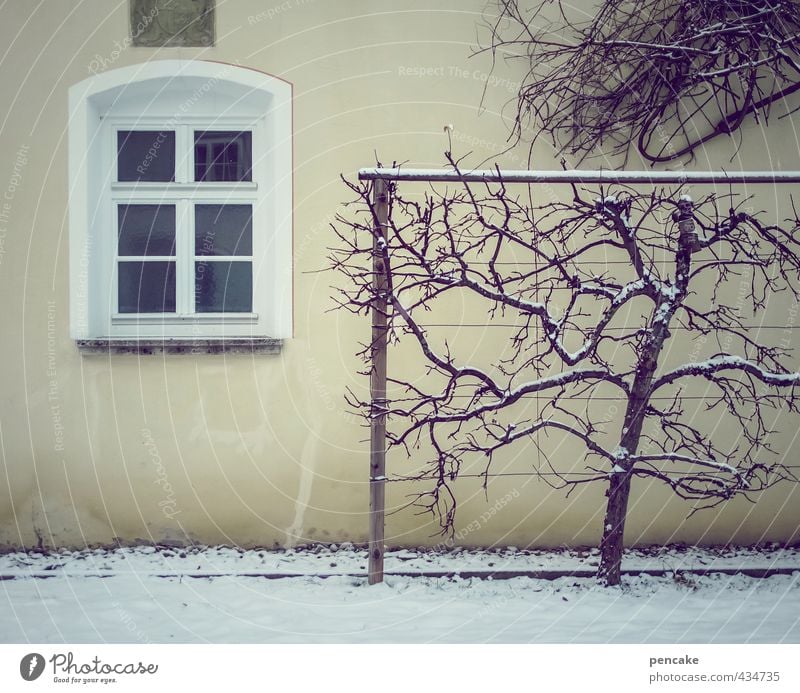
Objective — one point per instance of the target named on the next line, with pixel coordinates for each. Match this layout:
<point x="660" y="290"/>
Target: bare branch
<point x="591" y="291"/>
<point x="667" y="77"/>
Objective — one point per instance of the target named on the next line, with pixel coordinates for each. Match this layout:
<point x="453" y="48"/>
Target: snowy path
<point x="134" y="606"/>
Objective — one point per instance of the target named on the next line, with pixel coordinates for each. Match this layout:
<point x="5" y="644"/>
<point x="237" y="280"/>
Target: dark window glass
<point x="223" y="287"/>
<point x="146" y="287"/>
<point x="145" y="155"/>
<point x="146" y="229"/>
<point x="223" y="156"/>
<point x="223" y="229"/>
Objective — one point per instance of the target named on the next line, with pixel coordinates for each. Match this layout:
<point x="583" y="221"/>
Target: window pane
<point x="146" y="229"/>
<point x="223" y="229"/>
<point x="222" y="156"/>
<point x="146" y="287"/>
<point x="223" y="287"/>
<point x="145" y="155"/>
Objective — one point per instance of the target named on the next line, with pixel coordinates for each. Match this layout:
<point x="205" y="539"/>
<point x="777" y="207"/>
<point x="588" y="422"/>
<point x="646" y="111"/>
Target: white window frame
<point x="181" y="96"/>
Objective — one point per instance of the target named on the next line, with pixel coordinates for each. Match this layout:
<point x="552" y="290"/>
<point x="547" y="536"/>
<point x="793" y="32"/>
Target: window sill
<point x="164" y="189"/>
<point x="244" y="345"/>
<point x="177" y="319"/>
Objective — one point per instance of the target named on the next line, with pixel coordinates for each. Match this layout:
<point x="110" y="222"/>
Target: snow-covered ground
<point x="219" y="595"/>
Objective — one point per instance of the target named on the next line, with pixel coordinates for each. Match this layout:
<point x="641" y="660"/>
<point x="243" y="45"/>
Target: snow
<point x="133" y="604"/>
<point x="580" y="176"/>
<point x="447" y="277"/>
<point x="705" y="462"/>
<point x="661" y="314"/>
<point x="669" y="291"/>
<point x="628" y="290"/>
<point x="718" y="363"/>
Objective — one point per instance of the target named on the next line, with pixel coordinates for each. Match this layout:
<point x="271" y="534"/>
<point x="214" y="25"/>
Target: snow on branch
<point x="708" y="368"/>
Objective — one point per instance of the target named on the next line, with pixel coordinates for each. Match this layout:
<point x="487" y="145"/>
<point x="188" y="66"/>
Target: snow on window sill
<point x="192" y="346"/>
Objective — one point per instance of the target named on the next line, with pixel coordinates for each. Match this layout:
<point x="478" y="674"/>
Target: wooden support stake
<point x="377" y="453"/>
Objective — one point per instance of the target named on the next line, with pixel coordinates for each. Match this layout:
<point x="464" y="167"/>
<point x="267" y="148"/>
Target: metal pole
<point x="377" y="455"/>
<point x="579" y="176"/>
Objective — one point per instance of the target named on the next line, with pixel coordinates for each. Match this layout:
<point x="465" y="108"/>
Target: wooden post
<point x="377" y="452"/>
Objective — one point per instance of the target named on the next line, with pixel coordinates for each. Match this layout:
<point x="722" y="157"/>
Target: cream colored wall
<point x="259" y="450"/>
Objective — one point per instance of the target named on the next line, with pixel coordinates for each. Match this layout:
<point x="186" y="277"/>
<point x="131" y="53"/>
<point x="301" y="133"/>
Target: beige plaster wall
<point x="259" y="450"/>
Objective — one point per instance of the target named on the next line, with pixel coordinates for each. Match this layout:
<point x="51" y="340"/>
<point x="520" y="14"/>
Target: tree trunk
<point x="619" y="487"/>
<point x="613" y="530"/>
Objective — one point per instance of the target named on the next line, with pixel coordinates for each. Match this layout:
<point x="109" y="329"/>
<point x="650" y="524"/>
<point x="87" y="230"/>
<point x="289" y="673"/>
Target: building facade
<point x="189" y="385"/>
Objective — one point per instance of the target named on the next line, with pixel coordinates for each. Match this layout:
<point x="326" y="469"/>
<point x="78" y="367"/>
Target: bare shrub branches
<point x="596" y="289"/>
<point x="661" y="75"/>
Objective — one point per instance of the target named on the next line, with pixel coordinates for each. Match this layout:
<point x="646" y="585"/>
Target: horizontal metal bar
<point x="578" y="176"/>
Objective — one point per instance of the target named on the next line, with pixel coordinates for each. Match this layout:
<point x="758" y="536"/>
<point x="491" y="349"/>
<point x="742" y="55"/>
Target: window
<point x="183" y="249"/>
<point x="180" y="206"/>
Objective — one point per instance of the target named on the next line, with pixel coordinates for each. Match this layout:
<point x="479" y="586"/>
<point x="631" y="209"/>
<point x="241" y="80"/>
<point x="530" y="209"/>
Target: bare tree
<point x="664" y="264"/>
<point x="665" y="76"/>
